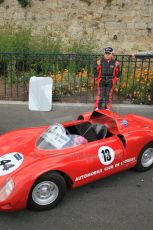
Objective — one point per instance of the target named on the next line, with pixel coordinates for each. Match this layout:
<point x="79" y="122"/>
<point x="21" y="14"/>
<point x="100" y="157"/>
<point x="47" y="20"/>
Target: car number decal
<point x="10" y="162"/>
<point x="106" y="155"/>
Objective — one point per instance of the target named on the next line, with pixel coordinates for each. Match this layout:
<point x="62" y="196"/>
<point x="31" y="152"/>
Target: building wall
<point x="126" y="25"/>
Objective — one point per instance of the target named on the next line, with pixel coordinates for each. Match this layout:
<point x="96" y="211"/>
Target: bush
<point x="136" y="83"/>
<point x="14" y="41"/>
<point x="21" y="40"/>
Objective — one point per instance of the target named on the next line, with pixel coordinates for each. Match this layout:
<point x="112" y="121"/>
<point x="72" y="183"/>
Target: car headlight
<point x="6" y="190"/>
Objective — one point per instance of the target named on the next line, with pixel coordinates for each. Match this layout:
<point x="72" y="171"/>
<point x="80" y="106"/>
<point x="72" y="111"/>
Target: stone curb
<point x="78" y="104"/>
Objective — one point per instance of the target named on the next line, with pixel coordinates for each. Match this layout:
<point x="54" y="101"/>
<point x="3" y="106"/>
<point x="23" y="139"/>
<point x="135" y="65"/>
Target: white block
<point x="40" y="93"/>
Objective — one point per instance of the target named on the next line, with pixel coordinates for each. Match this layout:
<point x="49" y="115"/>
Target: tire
<point x="47" y="192"/>
<point x="145" y="159"/>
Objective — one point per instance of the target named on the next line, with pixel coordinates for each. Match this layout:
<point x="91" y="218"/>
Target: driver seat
<point x="95" y="132"/>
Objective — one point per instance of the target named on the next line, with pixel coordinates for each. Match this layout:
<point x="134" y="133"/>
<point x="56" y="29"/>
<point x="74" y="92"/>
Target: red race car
<point x="38" y="165"/>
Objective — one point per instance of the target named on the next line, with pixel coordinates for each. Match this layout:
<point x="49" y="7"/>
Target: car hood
<point x="17" y="149"/>
<point x="20" y="139"/>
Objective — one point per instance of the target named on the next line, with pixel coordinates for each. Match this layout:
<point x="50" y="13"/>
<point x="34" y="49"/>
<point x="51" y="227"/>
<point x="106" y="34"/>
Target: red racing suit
<point x="106" y="75"/>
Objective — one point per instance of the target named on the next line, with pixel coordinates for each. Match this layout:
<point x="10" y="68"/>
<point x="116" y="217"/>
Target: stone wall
<point x="126" y="25"/>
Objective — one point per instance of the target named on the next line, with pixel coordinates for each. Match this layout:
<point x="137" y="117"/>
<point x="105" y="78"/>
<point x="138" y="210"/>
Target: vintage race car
<point x="38" y="165"/>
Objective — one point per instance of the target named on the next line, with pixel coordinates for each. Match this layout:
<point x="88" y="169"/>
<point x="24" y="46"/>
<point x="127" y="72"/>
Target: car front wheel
<point x="145" y="159"/>
<point x="47" y="192"/>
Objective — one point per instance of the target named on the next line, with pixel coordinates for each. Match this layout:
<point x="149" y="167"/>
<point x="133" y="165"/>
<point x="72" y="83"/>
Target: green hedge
<point x="21" y="40"/>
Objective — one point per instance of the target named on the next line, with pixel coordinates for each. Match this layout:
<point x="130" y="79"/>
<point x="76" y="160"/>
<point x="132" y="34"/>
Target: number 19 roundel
<point x="106" y="155"/>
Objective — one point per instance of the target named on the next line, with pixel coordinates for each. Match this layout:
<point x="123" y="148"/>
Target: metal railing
<point x="73" y="77"/>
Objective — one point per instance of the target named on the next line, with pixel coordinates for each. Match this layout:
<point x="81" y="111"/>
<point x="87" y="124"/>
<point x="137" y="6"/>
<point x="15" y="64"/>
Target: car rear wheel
<point x="145" y="159"/>
<point x="47" y="192"/>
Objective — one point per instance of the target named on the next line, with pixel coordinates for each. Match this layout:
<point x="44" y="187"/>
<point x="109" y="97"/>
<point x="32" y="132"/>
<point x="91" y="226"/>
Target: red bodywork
<point x="80" y="164"/>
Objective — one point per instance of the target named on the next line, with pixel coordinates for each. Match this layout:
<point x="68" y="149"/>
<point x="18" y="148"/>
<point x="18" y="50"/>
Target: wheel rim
<point x="45" y="193"/>
<point x="147" y="157"/>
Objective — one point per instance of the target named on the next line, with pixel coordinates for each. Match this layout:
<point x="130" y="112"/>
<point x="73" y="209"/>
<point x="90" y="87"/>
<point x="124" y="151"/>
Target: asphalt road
<point x="121" y="202"/>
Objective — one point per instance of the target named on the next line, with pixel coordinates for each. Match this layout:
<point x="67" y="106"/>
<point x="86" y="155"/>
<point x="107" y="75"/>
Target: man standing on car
<point x="107" y="72"/>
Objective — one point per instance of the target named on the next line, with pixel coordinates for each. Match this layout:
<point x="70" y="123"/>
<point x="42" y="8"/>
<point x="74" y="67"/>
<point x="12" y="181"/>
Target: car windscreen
<point x="57" y="137"/>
